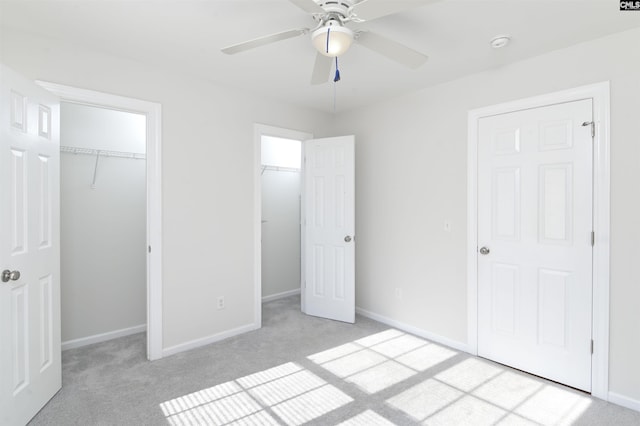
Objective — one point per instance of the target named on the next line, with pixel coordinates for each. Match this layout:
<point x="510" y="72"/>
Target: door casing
<point x="599" y="93"/>
<point x="154" y="202"/>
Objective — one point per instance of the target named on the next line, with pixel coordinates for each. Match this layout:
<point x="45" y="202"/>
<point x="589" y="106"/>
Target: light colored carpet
<point x="299" y="369"/>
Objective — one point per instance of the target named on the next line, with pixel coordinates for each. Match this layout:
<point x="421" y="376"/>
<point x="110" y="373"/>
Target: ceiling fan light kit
<point x="332" y="39"/>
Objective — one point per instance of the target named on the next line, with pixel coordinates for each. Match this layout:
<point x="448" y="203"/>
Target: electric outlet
<point x="398" y="293"/>
<point x="221" y="302"/>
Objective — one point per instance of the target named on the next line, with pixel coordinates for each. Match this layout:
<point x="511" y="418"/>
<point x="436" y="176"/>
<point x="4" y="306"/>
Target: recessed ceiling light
<point x="500" y="41"/>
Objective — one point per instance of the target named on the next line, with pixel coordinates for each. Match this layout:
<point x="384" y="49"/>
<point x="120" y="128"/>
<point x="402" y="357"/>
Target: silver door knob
<point x="8" y="275"/>
<point x="484" y="250"/>
<point x="347" y="239"/>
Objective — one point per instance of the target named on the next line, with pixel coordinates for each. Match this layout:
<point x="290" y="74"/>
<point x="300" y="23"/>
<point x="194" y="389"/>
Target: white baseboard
<point x="172" y="350"/>
<point x="454" y="344"/>
<point x="280" y="295"/>
<point x="102" y="337"/>
<point x="625" y="401"/>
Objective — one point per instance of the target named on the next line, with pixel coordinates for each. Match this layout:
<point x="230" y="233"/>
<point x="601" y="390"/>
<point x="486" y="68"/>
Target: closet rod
<point x="279" y="169"/>
<point x="102" y="153"/>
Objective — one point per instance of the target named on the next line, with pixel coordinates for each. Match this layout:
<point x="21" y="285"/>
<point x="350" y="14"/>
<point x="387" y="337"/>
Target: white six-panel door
<point x="30" y="367"/>
<point x="329" y="228"/>
<point x="534" y="238"/>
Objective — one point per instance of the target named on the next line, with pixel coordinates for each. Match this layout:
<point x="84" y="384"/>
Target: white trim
<point x="454" y="344"/>
<point x="203" y="341"/>
<point x="282" y="295"/>
<point x="153" y="112"/>
<point x="303" y="235"/>
<point x="599" y="92"/>
<point x="258" y="131"/>
<point x="102" y="337"/>
<point x="624" y="401"/>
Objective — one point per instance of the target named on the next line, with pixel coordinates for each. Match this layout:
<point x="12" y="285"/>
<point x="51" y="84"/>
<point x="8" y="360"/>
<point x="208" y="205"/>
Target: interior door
<point x="534" y="237"/>
<point x="30" y="367"/>
<point x="329" y="228"/>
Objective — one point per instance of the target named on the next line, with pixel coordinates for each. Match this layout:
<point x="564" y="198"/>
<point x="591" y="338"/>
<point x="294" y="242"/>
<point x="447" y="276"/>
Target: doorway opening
<point x="278" y="238"/>
<point x="280" y="176"/>
<point x="153" y="184"/>
<point x="326" y="221"/>
<point x="103" y="224"/>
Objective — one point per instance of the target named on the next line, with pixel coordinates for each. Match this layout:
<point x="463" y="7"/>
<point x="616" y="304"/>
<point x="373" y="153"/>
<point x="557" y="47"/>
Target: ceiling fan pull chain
<point x="337" y="77"/>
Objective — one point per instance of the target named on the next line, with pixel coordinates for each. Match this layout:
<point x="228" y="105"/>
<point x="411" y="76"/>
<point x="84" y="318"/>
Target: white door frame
<point x="154" y="203"/>
<point x="260" y="130"/>
<point x="599" y="92"/>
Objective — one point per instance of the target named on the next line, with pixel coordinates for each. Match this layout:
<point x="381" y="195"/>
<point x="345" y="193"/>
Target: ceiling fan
<point x="332" y="37"/>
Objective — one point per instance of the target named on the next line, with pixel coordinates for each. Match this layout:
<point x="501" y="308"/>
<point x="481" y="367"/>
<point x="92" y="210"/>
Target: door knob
<point x="10" y="275"/>
<point x="484" y="250"/>
<point x="347" y="239"/>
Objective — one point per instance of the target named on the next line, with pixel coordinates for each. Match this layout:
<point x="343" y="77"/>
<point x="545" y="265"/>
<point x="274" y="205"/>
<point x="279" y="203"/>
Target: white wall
<point x="207" y="175"/>
<point x="103" y="230"/>
<point x="411" y="177"/>
<point x="280" y="231"/>
<point x="103" y="258"/>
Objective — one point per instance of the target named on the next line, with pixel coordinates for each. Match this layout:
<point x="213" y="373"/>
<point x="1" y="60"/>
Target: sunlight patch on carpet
<point x="478" y="392"/>
<point x="467" y="411"/>
<point x="382" y="360"/>
<point x="553" y="405"/>
<point x="508" y="390"/>
<point x="425" y="399"/>
<point x="381" y="376"/>
<point x="426" y="357"/>
<point x="367" y="418"/>
<point x="311" y="405"/>
<point x="293" y="393"/>
<point x="469" y="374"/>
<point x="462" y="390"/>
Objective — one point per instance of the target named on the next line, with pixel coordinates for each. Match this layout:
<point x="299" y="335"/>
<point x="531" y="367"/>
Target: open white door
<point x="30" y="360"/>
<point x="329" y="228"/>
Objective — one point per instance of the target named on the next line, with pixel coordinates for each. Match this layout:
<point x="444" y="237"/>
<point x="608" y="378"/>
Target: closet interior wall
<point x="103" y="224"/>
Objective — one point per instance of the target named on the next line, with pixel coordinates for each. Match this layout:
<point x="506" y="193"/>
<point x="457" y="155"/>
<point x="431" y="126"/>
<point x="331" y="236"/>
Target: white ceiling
<point x="186" y="36"/>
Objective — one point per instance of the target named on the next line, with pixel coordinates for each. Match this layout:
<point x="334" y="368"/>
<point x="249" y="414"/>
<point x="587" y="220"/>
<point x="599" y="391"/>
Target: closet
<point x="281" y="189"/>
<point x="103" y="224"/>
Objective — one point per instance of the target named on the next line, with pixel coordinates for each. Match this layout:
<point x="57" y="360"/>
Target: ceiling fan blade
<point x="321" y="69"/>
<point x="391" y="49"/>
<point x="261" y="41"/>
<point x="373" y="9"/>
<point x="308" y="6"/>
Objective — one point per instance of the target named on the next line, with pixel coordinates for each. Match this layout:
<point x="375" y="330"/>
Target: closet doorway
<point x="278" y="195"/>
<point x="280" y="179"/>
<point x="103" y="223"/>
<point x="153" y="227"/>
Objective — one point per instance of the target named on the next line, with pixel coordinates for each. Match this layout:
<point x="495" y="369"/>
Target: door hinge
<point x="592" y="346"/>
<point x="593" y="127"/>
<point x="149" y="249"/>
<point x="593" y="238"/>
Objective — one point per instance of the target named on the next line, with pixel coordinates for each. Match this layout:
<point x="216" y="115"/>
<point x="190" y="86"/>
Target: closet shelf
<point x="102" y="153"/>
<point x="279" y="169"/>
